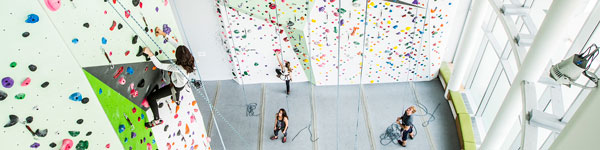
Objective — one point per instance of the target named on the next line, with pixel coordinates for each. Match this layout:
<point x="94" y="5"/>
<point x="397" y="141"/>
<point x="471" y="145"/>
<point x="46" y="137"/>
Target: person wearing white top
<point x="179" y="74"/>
<point x="286" y="71"/>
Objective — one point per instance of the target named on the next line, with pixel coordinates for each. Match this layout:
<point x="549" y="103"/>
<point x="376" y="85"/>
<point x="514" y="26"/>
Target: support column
<point x="467" y="47"/>
<point x="551" y="34"/>
<point x="581" y="131"/>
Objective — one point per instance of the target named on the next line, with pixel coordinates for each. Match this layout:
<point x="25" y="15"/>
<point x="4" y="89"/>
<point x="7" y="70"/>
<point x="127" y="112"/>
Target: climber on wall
<point x="406" y="125"/>
<point x="286" y="71"/>
<point x="281" y="123"/>
<point x="179" y="74"/>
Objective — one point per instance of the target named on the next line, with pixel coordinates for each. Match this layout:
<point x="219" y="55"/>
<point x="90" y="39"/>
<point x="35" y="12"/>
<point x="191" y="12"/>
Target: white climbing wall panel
<point x="50" y="107"/>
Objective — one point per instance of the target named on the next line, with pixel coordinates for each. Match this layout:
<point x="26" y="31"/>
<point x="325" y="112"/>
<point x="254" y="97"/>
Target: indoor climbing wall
<point x="254" y="33"/>
<point x="45" y="99"/>
<point x="92" y="28"/>
<point x="64" y="41"/>
<point x="401" y="41"/>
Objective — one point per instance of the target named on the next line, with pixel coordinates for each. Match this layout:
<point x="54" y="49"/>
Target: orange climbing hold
<point x="187" y="129"/>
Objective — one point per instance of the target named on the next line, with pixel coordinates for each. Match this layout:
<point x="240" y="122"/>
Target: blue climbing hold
<point x="126" y="140"/>
<point x="32" y="18"/>
<point x="100" y="91"/>
<point x="104" y="40"/>
<point x="121" y="129"/>
<point x="142" y="116"/>
<point x="75" y="41"/>
<point x="129" y="70"/>
<point x="75" y="96"/>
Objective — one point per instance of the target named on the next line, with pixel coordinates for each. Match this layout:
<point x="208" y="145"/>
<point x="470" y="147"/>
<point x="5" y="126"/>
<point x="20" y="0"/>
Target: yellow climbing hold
<point x="407" y="28"/>
<point x="313" y="20"/>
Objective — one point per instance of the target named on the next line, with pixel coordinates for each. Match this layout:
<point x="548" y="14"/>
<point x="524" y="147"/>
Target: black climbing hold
<point x="86" y="25"/>
<point x="25" y="34"/>
<point x="179" y="133"/>
<point x="134" y="40"/>
<point x="88" y="133"/>
<point x="141" y="83"/>
<point x="13" y="120"/>
<point x="160" y="105"/>
<point x="45" y="84"/>
<point x="105" y="0"/>
<point x="85" y="100"/>
<point x="119" y="26"/>
<point x="135" y="2"/>
<point x="166" y="127"/>
<point x="3" y="95"/>
<point x="32" y="67"/>
<point x="140" y="51"/>
<point x="29" y="119"/>
<point x="41" y="133"/>
<point x="52" y="145"/>
<point x="150" y="133"/>
<point x="146" y="29"/>
<point x="79" y="121"/>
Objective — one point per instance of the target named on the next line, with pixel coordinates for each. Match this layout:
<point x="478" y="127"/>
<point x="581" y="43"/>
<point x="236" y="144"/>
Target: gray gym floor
<point x="332" y="126"/>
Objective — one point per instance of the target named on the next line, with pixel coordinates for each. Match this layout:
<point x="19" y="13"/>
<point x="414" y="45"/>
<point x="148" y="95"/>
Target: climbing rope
<point x="362" y="58"/>
<point x="337" y="115"/>
<point x="250" y="109"/>
<point x="204" y="93"/>
<point x="392" y="134"/>
<point x="310" y="132"/>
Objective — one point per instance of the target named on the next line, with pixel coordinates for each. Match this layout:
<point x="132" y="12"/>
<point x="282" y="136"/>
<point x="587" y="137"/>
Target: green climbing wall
<point x="116" y="107"/>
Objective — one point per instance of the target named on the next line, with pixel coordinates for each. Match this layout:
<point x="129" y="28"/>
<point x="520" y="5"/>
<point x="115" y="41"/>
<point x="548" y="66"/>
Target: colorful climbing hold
<point x="20" y="96"/>
<point x="75" y="41"/>
<point x="75" y="96"/>
<point x="26" y="82"/>
<point x="121" y="128"/>
<point x="104" y="40"/>
<point x="74" y="133"/>
<point x="53" y="5"/>
<point x="32" y="18"/>
<point x="7" y="82"/>
<point x="35" y="145"/>
<point x="100" y="91"/>
<point x="130" y="70"/>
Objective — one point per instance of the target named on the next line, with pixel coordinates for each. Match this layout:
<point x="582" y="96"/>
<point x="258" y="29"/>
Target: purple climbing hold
<point x="166" y="29"/>
<point x="133" y="135"/>
<point x="75" y="96"/>
<point x="156" y="9"/>
<point x="35" y="145"/>
<point x="415" y="2"/>
<point x="7" y="82"/>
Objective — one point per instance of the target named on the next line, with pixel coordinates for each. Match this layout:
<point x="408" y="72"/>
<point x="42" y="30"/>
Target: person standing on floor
<point x="286" y="71"/>
<point x="281" y="123"/>
<point x="179" y="74"/>
<point x="406" y="125"/>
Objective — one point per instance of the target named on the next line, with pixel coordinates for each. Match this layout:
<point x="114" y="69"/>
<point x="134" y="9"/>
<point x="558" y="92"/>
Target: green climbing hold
<point x="334" y="29"/>
<point x="82" y="145"/>
<point x="20" y="96"/>
<point x="245" y="73"/>
<point x="341" y="11"/>
<point x="244" y="36"/>
<point x="356" y="43"/>
<point x="236" y="49"/>
<point x="236" y="31"/>
<point x="13" y="64"/>
<point x="74" y="133"/>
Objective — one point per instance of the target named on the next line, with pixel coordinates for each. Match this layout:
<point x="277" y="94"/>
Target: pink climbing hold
<point x="67" y="144"/>
<point x="108" y="145"/>
<point x="149" y="146"/>
<point x="127" y="13"/>
<point x="166" y="2"/>
<point x="53" y="5"/>
<point x="26" y="82"/>
<point x="134" y="93"/>
<point x="145" y="103"/>
<point x="122" y="81"/>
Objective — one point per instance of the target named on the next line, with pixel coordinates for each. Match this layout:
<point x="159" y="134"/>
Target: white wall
<point x="200" y="31"/>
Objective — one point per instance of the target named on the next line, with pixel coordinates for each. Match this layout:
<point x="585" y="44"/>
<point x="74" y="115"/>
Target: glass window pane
<point x="483" y="75"/>
<point x="492" y="107"/>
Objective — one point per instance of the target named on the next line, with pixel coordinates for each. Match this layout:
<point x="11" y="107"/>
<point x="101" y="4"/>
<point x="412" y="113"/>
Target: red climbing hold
<point x="127" y="13"/>
<point x="114" y="24"/>
<point x="126" y="53"/>
<point x="118" y="72"/>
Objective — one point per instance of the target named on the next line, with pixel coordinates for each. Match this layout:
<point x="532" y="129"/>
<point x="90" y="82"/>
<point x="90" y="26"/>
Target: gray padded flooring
<point x="333" y="127"/>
